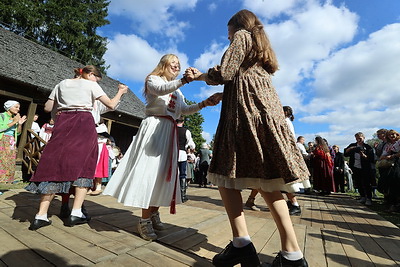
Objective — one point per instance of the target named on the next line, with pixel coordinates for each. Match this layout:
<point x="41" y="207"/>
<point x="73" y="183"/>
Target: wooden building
<point x="29" y="72"/>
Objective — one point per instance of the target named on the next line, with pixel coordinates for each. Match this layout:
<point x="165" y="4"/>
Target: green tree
<point x="194" y="124"/>
<point x="373" y="141"/>
<point x="67" y="26"/>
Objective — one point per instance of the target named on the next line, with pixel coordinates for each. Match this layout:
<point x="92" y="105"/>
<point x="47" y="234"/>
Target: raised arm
<point x="112" y="103"/>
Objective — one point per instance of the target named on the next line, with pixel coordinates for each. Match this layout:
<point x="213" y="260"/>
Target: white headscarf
<point x="9" y="104"/>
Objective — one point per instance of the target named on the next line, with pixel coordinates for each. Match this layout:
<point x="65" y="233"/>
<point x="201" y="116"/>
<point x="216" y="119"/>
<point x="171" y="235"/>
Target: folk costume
<point x="70" y="156"/>
<point x="252" y="130"/>
<point x="147" y="175"/>
<point x="8" y="147"/>
<point x="323" y="171"/>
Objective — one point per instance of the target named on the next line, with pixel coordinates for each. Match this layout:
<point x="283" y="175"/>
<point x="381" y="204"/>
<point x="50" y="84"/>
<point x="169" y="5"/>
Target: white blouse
<point x="165" y="99"/>
<point x="76" y="94"/>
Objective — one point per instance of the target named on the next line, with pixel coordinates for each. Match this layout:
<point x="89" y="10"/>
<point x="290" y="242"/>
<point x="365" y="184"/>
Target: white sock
<point x="292" y="256"/>
<point x="41" y="217"/>
<point x="78" y="213"/>
<point x="296" y="204"/>
<point x="242" y="241"/>
<point x="98" y="187"/>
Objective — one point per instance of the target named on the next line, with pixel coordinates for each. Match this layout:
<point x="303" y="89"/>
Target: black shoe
<point x="280" y="261"/>
<point x="74" y="220"/>
<point x="230" y="256"/>
<point x="289" y="204"/>
<point x="84" y="211"/>
<point x="65" y="211"/>
<point x="36" y="224"/>
<point x="294" y="210"/>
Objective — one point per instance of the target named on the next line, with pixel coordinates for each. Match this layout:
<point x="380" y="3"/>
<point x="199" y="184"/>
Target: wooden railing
<point x="32" y="151"/>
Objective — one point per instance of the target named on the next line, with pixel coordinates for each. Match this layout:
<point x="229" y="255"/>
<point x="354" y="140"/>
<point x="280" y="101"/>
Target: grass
<point x="17" y="185"/>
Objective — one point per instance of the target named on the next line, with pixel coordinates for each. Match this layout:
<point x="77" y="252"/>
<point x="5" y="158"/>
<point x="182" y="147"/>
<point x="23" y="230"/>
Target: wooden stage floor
<point x="332" y="230"/>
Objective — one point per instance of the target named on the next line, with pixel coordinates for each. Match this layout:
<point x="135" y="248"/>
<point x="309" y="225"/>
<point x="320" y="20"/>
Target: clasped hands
<point x="192" y="74"/>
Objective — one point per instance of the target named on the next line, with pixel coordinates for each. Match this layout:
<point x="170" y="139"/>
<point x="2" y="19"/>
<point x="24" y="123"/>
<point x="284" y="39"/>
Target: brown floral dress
<point x="253" y="144"/>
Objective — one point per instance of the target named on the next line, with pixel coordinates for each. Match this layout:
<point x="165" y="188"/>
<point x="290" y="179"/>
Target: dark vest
<point x="182" y="138"/>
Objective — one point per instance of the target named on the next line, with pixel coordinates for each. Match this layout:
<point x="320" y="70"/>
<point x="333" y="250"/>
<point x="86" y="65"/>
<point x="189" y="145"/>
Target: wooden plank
<point x="88" y="250"/>
<point x="128" y="238"/>
<point x="204" y="233"/>
<point x="263" y="235"/>
<point x="47" y="248"/>
<point x="154" y="259"/>
<point x="354" y="251"/>
<point x="314" y="251"/>
<point x="306" y="216"/>
<point x="123" y="261"/>
<point x="334" y="252"/>
<point x="209" y="222"/>
<point x="14" y="253"/>
<point x="188" y="259"/>
<point x="218" y="237"/>
<point x="95" y="238"/>
<point x="377" y="255"/>
<point x="300" y="231"/>
<point x="316" y="216"/>
<point x="271" y="248"/>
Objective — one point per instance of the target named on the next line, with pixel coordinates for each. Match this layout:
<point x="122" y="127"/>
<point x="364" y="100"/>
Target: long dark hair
<point x="247" y="20"/>
<point x="288" y="112"/>
<point x="319" y="142"/>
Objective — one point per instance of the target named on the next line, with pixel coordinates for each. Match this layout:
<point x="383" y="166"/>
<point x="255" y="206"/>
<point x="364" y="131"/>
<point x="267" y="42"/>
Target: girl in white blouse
<point x="147" y="175"/>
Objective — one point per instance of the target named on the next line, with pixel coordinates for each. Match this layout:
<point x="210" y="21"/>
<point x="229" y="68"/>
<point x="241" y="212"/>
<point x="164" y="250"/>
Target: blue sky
<point x="339" y="60"/>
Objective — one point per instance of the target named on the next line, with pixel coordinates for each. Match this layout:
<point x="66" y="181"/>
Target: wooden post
<point x="26" y="126"/>
<point x="109" y="124"/>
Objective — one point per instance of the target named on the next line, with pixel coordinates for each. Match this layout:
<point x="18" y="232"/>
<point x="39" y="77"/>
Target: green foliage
<point x="373" y="141"/>
<point x="194" y="124"/>
<point x="67" y="26"/>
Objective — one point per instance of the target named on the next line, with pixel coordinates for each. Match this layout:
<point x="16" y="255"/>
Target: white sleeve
<point x="53" y="92"/>
<point x="97" y="91"/>
<point x="185" y="108"/>
<point x="156" y="86"/>
<point x="189" y="143"/>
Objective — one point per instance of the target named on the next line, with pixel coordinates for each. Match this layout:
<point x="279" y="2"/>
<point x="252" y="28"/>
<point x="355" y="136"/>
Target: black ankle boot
<point x="280" y="261"/>
<point x="230" y="256"/>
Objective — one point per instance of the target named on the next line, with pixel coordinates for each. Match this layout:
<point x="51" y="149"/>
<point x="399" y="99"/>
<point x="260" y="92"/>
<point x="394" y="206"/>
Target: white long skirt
<point x="140" y="179"/>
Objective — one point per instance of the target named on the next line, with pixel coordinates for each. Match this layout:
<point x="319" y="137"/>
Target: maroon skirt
<point x="71" y="152"/>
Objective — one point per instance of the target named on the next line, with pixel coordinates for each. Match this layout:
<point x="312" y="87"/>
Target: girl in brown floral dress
<point x="253" y="147"/>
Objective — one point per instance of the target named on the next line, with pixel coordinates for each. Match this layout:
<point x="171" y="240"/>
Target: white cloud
<point x="211" y="57"/>
<point x="130" y="57"/>
<point x="154" y="16"/>
<point x="133" y="58"/>
<point x="356" y="87"/>
<point x="302" y="41"/>
<point x="208" y="91"/>
<point x="270" y="8"/>
<point x="207" y="136"/>
<point x="212" y="7"/>
<point x="365" y="72"/>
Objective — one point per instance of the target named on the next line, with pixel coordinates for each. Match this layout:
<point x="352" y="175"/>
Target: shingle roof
<point x="27" y="62"/>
